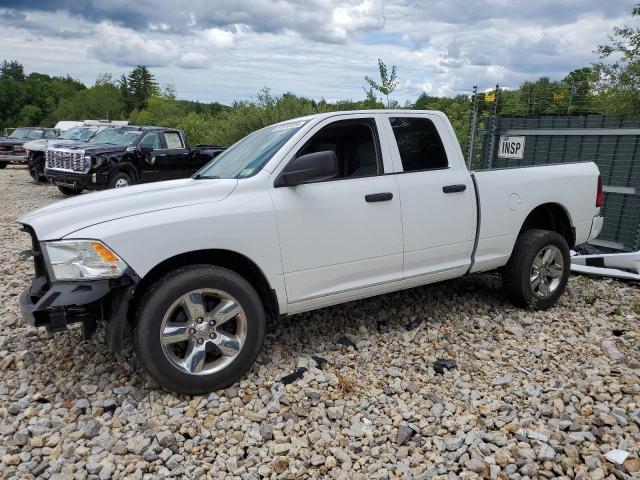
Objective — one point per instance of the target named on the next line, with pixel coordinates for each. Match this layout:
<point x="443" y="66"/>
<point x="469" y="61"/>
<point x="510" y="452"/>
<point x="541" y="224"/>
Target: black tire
<point x="162" y="296"/>
<point x="69" y="190"/>
<point x="36" y="175"/>
<point x="3" y="165"/>
<point x="120" y="177"/>
<point x="517" y="274"/>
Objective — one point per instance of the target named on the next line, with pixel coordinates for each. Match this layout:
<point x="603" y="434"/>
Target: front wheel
<point x="199" y="328"/>
<point x="538" y="270"/>
<point x="120" y="180"/>
<point x="3" y="165"/>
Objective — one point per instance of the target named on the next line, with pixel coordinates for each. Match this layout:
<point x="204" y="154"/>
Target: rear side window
<point x="419" y="144"/>
<point x="173" y="140"/>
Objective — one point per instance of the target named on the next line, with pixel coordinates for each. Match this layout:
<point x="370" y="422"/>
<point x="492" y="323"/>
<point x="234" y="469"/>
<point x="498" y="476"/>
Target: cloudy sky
<point x="213" y="50"/>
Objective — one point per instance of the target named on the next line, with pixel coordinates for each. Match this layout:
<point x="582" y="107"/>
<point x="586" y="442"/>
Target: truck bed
<point x="507" y="196"/>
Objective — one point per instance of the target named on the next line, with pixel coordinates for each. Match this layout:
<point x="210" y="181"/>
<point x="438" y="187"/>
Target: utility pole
<point x="472" y="133"/>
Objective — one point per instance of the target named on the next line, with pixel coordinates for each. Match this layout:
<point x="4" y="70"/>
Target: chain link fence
<point x="499" y="139"/>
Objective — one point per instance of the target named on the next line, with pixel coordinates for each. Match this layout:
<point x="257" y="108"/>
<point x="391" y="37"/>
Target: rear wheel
<point x="120" y="180"/>
<point x="538" y="270"/>
<point x="69" y="190"/>
<point x="199" y="328"/>
<point x="3" y="165"/>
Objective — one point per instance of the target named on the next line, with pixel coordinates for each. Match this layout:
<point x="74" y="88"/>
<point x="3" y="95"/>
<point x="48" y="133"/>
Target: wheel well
<point x="129" y="170"/>
<point x="234" y="261"/>
<point x="551" y="216"/>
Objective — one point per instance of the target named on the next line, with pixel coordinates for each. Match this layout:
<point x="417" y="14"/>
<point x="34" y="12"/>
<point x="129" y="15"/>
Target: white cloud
<point x="217" y="38"/>
<point x="318" y="48"/>
<point x="124" y="47"/>
<point x="193" y="60"/>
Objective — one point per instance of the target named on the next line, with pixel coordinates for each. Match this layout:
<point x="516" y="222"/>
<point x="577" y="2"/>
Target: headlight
<point x="83" y="260"/>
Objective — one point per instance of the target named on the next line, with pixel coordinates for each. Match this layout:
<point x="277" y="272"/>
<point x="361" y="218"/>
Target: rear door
<point x="177" y="155"/>
<point x="436" y="193"/>
<point x="340" y="235"/>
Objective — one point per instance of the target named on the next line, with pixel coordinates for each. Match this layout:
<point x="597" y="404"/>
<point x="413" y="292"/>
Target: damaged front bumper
<point x="56" y="305"/>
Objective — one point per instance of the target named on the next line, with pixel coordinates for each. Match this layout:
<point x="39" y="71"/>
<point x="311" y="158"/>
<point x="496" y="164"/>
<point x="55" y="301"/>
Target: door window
<point x="173" y="140"/>
<point x="419" y="144"/>
<point x="151" y="140"/>
<point x="354" y="143"/>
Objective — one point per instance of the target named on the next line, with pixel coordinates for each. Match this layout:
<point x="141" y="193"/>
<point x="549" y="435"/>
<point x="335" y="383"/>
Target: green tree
<point x="388" y="82"/>
<point x="619" y="70"/>
<point x="12" y="70"/>
<point x="141" y="86"/>
<point x="125" y="94"/>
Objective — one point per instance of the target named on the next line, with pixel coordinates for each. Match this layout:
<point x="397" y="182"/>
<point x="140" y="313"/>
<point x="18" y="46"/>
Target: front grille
<point x="66" y="161"/>
<point x="6" y="148"/>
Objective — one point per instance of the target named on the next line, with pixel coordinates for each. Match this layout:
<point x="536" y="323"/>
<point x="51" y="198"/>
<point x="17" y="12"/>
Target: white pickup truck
<point x="296" y="216"/>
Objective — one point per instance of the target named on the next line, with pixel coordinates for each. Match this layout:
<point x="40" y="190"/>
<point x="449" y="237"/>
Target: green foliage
<point x="619" y="70"/>
<point x="223" y="125"/>
<point x="388" y="82"/>
<point x="29" y="100"/>
<point x="139" y="87"/>
<point x="458" y="109"/>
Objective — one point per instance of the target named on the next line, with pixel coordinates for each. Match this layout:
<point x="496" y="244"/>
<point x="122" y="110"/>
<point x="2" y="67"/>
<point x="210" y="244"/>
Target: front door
<point x="343" y="234"/>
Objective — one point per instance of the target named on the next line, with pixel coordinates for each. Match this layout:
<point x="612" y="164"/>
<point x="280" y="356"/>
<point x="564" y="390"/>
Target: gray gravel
<point x="532" y="395"/>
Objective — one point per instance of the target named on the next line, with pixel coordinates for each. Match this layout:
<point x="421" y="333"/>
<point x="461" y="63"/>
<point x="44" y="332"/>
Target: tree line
<point x="610" y="86"/>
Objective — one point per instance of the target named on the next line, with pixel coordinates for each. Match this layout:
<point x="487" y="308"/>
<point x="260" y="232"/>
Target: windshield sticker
<point x="288" y="126"/>
<point x="246" y="172"/>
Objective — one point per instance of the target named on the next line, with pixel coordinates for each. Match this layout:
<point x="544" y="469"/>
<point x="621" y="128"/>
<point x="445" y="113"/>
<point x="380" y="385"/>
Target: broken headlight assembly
<point x="73" y="260"/>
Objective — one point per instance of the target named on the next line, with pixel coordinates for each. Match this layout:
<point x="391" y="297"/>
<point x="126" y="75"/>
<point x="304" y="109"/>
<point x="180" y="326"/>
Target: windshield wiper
<point x="205" y="177"/>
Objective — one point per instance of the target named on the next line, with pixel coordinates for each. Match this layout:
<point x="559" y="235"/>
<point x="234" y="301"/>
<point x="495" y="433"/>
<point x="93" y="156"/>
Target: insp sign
<point x="511" y="147"/>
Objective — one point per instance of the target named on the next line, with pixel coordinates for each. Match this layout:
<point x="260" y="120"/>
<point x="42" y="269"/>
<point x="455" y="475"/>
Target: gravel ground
<point x="531" y="395"/>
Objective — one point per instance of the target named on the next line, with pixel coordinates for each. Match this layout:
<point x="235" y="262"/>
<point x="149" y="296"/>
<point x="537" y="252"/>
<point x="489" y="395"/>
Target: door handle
<point x="454" y="188"/>
<point x="378" y="197"/>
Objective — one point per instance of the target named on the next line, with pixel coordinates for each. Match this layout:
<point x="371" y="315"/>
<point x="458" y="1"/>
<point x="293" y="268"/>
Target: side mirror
<point x="313" y="167"/>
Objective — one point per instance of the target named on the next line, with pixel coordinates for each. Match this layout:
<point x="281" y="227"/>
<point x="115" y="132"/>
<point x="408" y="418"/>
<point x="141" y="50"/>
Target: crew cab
<point x="12" y="147"/>
<point x="296" y="216"/>
<point x="123" y="156"/>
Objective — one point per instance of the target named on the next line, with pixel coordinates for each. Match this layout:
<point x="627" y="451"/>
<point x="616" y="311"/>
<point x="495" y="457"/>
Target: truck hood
<point x="92" y="148"/>
<point x="42" y="144"/>
<point x="11" y="141"/>
<point x="62" y="218"/>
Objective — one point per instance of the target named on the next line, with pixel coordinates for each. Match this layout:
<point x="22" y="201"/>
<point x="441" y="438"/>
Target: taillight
<point x="599" y="193"/>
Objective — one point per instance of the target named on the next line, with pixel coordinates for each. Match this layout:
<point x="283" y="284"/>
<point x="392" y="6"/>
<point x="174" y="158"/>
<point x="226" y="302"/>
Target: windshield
<point x="247" y="156"/>
<point x="23" y="133"/>
<point x="116" y="136"/>
<point x="77" y="133"/>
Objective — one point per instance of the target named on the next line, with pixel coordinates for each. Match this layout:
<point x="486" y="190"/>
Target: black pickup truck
<point x="11" y="147"/>
<point x="123" y="156"/>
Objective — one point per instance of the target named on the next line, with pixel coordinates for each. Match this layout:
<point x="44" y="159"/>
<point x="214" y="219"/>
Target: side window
<point x="50" y="134"/>
<point x="419" y="144"/>
<point x="354" y="143"/>
<point x="151" y="140"/>
<point x="173" y="140"/>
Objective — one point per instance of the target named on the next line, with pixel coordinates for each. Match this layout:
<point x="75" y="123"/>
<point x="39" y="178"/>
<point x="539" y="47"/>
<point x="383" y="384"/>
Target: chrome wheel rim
<point x="203" y="331"/>
<point x="546" y="271"/>
<point x="122" y="182"/>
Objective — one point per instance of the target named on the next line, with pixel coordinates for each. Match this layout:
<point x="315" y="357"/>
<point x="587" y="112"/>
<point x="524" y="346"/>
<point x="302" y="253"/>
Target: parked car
<point x="36" y="149"/>
<point x="123" y="156"/>
<point x="300" y="215"/>
<point x="12" y="147"/>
